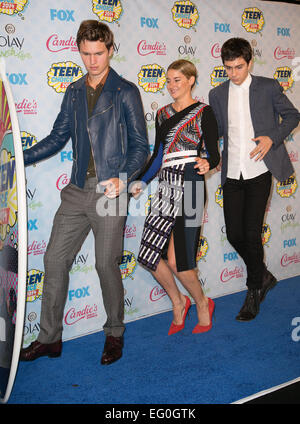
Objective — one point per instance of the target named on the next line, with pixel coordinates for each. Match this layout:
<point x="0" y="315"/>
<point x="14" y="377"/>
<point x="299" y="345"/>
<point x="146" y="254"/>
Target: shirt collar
<point x="245" y="85"/>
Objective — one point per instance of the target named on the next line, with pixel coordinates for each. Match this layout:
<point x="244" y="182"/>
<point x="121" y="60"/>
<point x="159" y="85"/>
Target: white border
<point x="265" y="392"/>
<point x="22" y="232"/>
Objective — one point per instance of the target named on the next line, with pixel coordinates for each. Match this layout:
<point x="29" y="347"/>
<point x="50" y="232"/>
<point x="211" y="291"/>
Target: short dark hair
<point x="93" y="30"/>
<point x="236" y="47"/>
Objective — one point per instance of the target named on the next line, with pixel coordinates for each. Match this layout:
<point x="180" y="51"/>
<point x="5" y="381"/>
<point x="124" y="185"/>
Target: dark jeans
<point x="244" y="209"/>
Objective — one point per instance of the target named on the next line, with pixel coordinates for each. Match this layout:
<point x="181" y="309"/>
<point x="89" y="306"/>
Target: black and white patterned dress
<point x="179" y="200"/>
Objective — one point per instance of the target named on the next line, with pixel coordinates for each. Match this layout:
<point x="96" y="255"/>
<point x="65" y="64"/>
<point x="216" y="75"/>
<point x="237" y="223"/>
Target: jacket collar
<point x="111" y="83"/>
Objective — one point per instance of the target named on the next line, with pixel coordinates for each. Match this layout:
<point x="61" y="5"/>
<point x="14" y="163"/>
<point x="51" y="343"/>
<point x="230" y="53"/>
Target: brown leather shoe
<point x="37" y="349"/>
<point x="112" y="350"/>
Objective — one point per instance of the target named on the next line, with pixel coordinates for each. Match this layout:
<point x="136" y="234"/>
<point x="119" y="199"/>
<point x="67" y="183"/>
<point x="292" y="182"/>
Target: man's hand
<point x="113" y="187"/>
<point x="136" y="189"/>
<point x="262" y="148"/>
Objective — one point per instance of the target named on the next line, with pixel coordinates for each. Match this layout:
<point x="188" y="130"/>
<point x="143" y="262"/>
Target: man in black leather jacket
<point x="103" y="115"/>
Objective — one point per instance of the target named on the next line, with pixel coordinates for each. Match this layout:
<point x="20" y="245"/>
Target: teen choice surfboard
<point x="13" y="239"/>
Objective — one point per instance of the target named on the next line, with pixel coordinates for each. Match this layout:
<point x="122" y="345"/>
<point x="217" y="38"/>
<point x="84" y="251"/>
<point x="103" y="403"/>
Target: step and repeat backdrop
<point x="37" y="40"/>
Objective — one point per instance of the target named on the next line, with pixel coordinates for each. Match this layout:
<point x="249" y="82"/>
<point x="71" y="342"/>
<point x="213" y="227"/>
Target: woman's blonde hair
<point x="187" y="68"/>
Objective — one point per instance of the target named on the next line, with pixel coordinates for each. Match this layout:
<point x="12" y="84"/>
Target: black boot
<point x="269" y="281"/>
<point x="250" y="307"/>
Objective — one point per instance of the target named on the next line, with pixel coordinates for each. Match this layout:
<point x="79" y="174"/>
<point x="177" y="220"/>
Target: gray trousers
<point x="74" y="219"/>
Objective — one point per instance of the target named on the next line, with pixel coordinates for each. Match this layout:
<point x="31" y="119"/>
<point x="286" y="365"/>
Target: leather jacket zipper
<point x="91" y="144"/>
<point x="76" y="144"/>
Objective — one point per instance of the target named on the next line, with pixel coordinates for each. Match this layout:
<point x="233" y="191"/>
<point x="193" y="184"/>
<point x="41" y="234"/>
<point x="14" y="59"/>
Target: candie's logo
<point x="253" y="19"/>
<point x="62" y="181"/>
<point x="28" y="140"/>
<point x="219" y="196"/>
<point x="12" y="6"/>
<point x="265" y="234"/>
<point x="73" y="315"/>
<point x="229" y="274"/>
<point x="128" y="264"/>
<point x="57" y="44"/>
<point x="35" y="283"/>
<point x="108" y="10"/>
<point x="185" y="14"/>
<point x="144" y="48"/>
<point x="218" y="76"/>
<point x="202" y="248"/>
<point x="62" y="74"/>
<point x="152" y="78"/>
<point x="157" y="293"/>
<point x="280" y="53"/>
<point x="284" y="76"/>
<point x="287" y="188"/>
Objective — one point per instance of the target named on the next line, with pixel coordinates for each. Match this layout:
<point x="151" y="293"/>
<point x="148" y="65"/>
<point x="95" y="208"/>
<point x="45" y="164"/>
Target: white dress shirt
<point x="240" y="134"/>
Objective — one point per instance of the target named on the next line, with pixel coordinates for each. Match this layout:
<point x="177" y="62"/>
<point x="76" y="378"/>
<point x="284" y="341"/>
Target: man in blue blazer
<point x="254" y="118"/>
<point x="103" y="115"/>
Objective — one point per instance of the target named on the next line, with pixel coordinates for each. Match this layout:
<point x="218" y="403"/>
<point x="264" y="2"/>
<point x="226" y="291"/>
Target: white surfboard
<point x="13" y="238"/>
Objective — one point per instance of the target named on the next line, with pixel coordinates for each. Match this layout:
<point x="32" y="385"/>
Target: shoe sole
<point x="110" y="362"/>
<point x="50" y="355"/>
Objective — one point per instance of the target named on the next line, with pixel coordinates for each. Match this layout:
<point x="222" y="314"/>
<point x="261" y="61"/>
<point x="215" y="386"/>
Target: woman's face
<point x="178" y="85"/>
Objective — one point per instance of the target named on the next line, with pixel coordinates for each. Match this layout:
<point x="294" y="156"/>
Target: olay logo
<point x="157" y="293"/>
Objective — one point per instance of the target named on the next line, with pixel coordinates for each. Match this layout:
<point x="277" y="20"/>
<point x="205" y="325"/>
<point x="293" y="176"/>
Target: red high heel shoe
<point x="174" y="327"/>
<point x="204" y="328"/>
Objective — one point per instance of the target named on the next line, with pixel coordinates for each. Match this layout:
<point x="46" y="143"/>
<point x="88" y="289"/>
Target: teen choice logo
<point x="12" y="6"/>
<point x="28" y="140"/>
<point x="108" y="10"/>
<point x="152" y="78"/>
<point x="8" y="193"/>
<point x="219" y="196"/>
<point x="253" y="19"/>
<point x="62" y="74"/>
<point x="218" y="76"/>
<point x="185" y="14"/>
<point x="202" y="248"/>
<point x="265" y="234"/>
<point x="287" y="188"/>
<point x="34" y="285"/>
<point x="127" y="264"/>
<point x="284" y="76"/>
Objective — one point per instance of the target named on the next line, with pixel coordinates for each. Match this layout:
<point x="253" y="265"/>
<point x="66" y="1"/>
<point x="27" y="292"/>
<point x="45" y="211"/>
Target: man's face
<point x="95" y="57"/>
<point x="237" y="70"/>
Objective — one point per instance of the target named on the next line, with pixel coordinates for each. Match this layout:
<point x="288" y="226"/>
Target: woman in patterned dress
<point x="185" y="149"/>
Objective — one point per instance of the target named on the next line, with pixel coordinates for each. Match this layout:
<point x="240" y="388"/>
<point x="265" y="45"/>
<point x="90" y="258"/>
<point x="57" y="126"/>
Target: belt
<point x="178" y="158"/>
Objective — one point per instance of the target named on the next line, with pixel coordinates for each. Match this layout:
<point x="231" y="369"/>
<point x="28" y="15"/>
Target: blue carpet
<point x="232" y="361"/>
